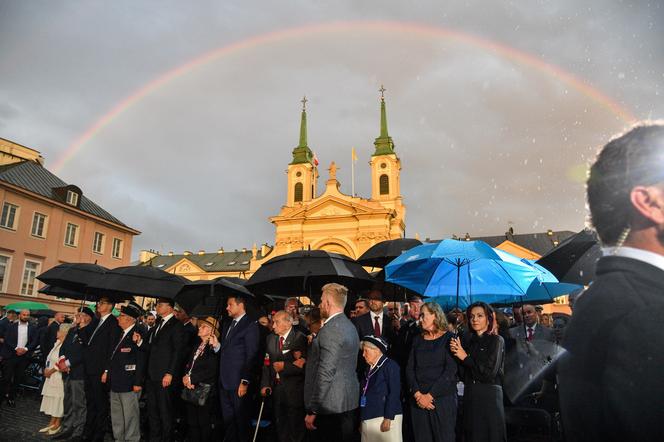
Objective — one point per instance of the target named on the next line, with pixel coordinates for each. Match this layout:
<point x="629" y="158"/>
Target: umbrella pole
<point x="458" y="266"/>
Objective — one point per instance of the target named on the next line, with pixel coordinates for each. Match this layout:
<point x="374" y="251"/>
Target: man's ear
<point x="648" y="201"/>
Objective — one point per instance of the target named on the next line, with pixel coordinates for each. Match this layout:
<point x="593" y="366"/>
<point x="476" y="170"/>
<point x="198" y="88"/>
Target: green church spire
<point x="384" y="144"/>
<point x="302" y="153"/>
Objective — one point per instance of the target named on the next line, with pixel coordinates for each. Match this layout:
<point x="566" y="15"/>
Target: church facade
<point x="330" y="220"/>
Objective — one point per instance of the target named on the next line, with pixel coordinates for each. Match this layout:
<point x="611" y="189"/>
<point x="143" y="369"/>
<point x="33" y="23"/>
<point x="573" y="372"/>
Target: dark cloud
<point x="485" y="139"/>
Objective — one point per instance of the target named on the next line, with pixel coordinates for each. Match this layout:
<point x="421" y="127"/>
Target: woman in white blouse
<point x="53" y="392"/>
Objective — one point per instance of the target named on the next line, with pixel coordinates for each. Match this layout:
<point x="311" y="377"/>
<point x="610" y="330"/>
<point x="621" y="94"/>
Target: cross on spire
<point x="304" y="103"/>
<point x="382" y="92"/>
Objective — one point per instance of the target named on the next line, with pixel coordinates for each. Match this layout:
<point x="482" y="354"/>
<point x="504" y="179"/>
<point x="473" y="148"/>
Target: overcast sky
<point x="488" y="137"/>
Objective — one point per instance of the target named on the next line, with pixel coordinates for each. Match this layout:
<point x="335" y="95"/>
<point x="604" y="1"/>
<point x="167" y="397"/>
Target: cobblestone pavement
<point x="23" y="422"/>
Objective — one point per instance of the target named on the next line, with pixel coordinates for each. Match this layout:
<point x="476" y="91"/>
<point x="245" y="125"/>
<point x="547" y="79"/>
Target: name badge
<point x="130" y="367"/>
<point x="363" y="401"/>
<point x="125" y="350"/>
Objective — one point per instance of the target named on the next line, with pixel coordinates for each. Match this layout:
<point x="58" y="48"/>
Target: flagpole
<point x="352" y="171"/>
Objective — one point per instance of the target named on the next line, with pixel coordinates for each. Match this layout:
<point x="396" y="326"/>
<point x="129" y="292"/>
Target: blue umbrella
<point x="544" y="288"/>
<point x="458" y="273"/>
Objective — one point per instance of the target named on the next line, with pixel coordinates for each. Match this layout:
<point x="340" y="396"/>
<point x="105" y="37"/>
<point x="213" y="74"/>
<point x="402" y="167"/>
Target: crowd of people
<point x="377" y="371"/>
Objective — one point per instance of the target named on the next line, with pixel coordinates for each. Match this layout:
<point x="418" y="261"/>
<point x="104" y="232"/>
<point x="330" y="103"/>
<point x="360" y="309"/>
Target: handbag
<point x="198" y="395"/>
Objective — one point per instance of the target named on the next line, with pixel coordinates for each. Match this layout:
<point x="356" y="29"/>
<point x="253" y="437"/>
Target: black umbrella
<point x="59" y="292"/>
<point x="72" y="276"/>
<point x="574" y="259"/>
<point x="126" y="282"/>
<point x="195" y="292"/>
<point x="304" y="272"/>
<point x="382" y="253"/>
<point x="391" y="292"/>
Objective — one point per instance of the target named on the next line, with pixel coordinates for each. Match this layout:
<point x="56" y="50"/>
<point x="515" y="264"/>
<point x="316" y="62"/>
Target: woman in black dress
<point x="202" y="368"/>
<point x="431" y="376"/>
<point x="481" y="357"/>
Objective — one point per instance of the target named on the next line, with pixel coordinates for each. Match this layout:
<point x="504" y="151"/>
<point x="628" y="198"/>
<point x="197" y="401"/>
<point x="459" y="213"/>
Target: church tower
<point x="302" y="172"/>
<point x="385" y="165"/>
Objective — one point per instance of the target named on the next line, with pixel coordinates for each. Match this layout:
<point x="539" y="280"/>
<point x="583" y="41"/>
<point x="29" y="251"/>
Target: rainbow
<point x="332" y="28"/>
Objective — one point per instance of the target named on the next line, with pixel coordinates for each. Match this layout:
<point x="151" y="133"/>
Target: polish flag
<point x="315" y="159"/>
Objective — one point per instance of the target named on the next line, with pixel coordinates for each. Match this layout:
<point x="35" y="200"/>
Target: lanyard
<point x="370" y="373"/>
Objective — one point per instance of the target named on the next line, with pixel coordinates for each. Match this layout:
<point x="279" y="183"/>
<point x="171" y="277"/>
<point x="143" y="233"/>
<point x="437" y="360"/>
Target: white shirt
<point x="22" y="340"/>
<point x="646" y="256"/>
<point x="380" y="320"/>
<point x="164" y="320"/>
<point x="328" y="319"/>
<point x="239" y="318"/>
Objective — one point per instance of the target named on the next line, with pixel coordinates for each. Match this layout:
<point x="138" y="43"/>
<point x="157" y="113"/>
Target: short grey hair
<point x="284" y="315"/>
<point x="368" y="344"/>
<point x="297" y="301"/>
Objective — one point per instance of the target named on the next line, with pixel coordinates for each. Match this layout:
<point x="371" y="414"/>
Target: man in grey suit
<point x="331" y="389"/>
<point x="535" y="348"/>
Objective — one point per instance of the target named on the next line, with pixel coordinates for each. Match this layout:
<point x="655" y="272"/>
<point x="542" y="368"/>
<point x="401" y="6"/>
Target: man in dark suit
<point x="610" y="377"/>
<point x="73" y="373"/>
<point x="48" y="338"/>
<point x="165" y="347"/>
<point x="125" y="376"/>
<point x="238" y="356"/>
<point x="20" y="341"/>
<point x="10" y="318"/>
<point x="376" y="322"/>
<point x="331" y="388"/>
<point x="96" y="356"/>
<point x="283" y="377"/>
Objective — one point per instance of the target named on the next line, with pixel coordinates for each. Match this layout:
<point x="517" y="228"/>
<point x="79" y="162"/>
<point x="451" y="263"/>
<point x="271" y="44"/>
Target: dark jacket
<point x="48" y="338"/>
<point x="383" y="391"/>
<point x="127" y="364"/>
<point x="238" y="353"/>
<point x="72" y="350"/>
<point x="8" y="350"/>
<point x="610" y="378"/>
<point x="485" y="361"/>
<point x="102" y="339"/>
<point x="206" y="367"/>
<point x="166" y="350"/>
<point x="365" y="327"/>
<point x="291" y="378"/>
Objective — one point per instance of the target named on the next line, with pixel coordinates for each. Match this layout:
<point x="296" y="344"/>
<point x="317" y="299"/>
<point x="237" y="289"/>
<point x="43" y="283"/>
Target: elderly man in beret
<point x="125" y="375"/>
<point x="73" y="369"/>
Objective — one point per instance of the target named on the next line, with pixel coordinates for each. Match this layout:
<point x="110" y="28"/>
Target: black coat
<point x="8" y="350"/>
<point x="611" y="378"/>
<point x="127" y="364"/>
<point x="72" y="350"/>
<point x="206" y="367"/>
<point x="99" y="346"/>
<point x="166" y="350"/>
<point x="365" y="327"/>
<point x="48" y="338"/>
<point x="291" y="378"/>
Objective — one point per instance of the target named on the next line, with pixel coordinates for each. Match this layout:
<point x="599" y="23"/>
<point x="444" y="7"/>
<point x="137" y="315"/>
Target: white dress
<point x="53" y="392"/>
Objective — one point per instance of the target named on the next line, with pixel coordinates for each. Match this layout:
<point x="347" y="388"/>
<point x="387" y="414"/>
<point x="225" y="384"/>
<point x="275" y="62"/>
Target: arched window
<point x="298" y="192"/>
<point x="384" y="185"/>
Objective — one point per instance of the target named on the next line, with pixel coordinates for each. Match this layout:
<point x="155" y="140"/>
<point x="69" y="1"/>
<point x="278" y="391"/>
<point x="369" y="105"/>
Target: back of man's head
<point x="336" y="293"/>
<point x="636" y="158"/>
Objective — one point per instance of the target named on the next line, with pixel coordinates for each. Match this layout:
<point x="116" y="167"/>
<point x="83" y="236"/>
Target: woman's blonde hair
<point x="440" y="321"/>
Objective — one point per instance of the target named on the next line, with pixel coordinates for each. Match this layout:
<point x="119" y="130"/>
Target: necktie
<point x="530" y="334"/>
<point x="281" y="343"/>
<point x="95" y="332"/>
<point x="376" y="327"/>
<point x="159" y="324"/>
<point x="230" y="329"/>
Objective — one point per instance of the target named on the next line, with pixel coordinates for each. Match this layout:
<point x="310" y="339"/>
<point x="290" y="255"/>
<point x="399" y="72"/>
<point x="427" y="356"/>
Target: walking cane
<point x="258" y="422"/>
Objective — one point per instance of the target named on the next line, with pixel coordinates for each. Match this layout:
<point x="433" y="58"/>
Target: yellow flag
<point x="353" y="154"/>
